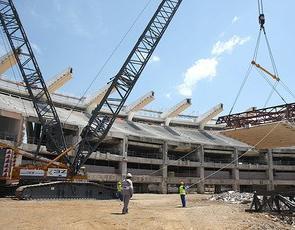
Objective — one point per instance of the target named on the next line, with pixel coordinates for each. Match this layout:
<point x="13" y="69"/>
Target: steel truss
<point x="34" y="82"/>
<point x="260" y="116"/>
<point x="101" y="121"/>
<point x="273" y="201"/>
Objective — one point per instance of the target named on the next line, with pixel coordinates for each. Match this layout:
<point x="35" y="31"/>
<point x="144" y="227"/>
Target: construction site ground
<point x="146" y="211"/>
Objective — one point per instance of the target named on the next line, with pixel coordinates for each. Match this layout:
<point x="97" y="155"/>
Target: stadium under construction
<point x="159" y="148"/>
<point x="97" y="140"/>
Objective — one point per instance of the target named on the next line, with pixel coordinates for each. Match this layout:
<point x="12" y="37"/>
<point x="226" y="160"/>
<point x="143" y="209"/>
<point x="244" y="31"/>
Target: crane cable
<point x="262" y="28"/>
<point x="108" y="59"/>
<point x="14" y="72"/>
<point x="273" y="86"/>
<point x="261" y="19"/>
<point x="253" y="148"/>
<point x="248" y="71"/>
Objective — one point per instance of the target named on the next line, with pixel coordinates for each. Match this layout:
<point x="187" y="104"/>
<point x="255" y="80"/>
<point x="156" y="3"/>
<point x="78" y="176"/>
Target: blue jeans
<point x="120" y="196"/>
<point x="183" y="200"/>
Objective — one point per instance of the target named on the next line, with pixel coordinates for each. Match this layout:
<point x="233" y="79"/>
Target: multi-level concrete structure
<point x="159" y="148"/>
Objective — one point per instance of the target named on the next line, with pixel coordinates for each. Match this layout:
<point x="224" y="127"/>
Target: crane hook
<point x="261" y="19"/>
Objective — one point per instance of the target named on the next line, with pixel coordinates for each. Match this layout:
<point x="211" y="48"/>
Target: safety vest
<point x="119" y="187"/>
<point x="181" y="190"/>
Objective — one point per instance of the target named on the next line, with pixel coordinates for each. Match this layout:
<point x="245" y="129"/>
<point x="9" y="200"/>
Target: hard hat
<point x="129" y="175"/>
<point x="119" y="182"/>
<point x="181" y="182"/>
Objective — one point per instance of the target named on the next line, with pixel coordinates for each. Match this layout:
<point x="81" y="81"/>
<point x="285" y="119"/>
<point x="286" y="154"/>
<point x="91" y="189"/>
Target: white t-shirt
<point x="127" y="186"/>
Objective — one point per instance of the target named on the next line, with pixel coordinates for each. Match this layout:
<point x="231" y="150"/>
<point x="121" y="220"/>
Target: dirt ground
<point x="146" y="211"/>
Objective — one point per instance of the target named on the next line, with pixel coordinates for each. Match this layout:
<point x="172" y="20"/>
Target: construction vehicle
<point x="52" y="132"/>
<point x="62" y="177"/>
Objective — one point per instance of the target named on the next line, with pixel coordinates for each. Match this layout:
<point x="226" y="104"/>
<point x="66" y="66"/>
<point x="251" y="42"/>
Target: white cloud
<point x="235" y="19"/>
<point x="36" y="48"/>
<point x="168" y="95"/>
<point x="206" y="68"/>
<point x="203" y="68"/>
<point x="228" y="46"/>
<point x="155" y="58"/>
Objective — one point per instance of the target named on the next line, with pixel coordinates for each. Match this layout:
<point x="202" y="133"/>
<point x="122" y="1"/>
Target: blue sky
<point x="203" y="55"/>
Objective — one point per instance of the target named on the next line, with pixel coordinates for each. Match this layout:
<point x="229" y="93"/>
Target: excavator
<point x="64" y="176"/>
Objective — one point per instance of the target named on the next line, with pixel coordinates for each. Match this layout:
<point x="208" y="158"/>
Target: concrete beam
<point x="139" y="104"/>
<point x="7" y="61"/>
<point x="204" y="118"/>
<point x="176" y="110"/>
<point x="59" y="80"/>
<point x="251" y="109"/>
<point x="96" y="99"/>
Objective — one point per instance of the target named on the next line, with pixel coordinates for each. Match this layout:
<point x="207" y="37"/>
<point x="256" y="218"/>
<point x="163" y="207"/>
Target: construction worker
<point x="127" y="192"/>
<point x="181" y="191"/>
<point x="119" y="190"/>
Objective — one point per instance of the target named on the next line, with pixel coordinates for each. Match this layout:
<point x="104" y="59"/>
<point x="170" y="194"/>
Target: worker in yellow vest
<point x="182" y="193"/>
<point x="119" y="190"/>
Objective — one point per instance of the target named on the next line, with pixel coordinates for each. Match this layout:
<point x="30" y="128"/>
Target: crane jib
<point x="104" y="115"/>
<point x="32" y="77"/>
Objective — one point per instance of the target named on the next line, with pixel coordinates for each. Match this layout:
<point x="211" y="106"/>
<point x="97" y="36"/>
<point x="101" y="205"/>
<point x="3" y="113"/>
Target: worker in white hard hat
<point x="127" y="186"/>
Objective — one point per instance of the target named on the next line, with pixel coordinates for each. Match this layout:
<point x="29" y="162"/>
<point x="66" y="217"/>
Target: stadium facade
<point x="159" y="148"/>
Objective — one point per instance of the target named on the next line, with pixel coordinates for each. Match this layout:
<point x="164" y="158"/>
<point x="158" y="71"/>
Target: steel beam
<point x="259" y="116"/>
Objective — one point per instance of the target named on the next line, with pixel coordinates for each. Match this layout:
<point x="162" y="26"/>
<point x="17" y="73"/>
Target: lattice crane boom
<point x="32" y="77"/>
<point x="102" y="120"/>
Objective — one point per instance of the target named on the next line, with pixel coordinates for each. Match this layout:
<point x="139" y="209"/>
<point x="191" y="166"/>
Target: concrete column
<point x="21" y="132"/>
<point x="270" y="185"/>
<point x="123" y="163"/>
<point x="78" y="137"/>
<point x="201" y="171"/>
<point x="29" y="131"/>
<point x="235" y="171"/>
<point x="164" y="168"/>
